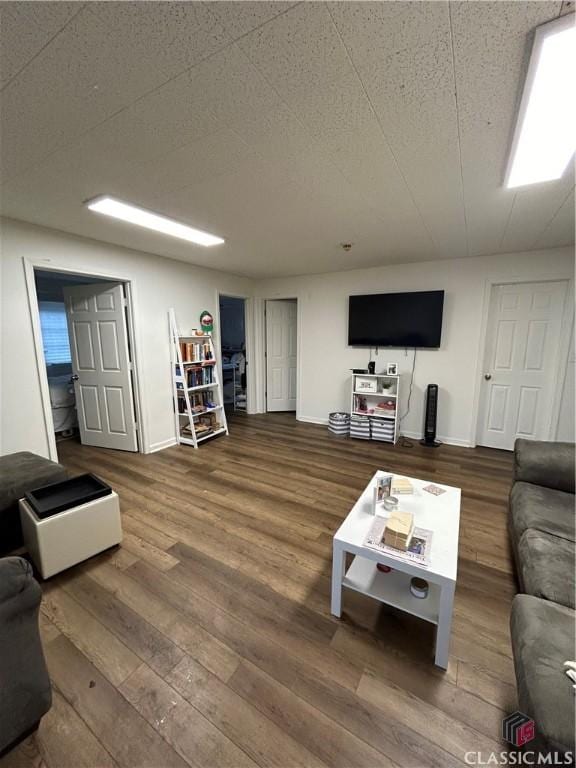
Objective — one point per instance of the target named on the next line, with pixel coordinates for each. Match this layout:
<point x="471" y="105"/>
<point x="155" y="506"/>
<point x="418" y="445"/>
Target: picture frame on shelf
<point x="391" y="369"/>
<point x="364" y="384"/>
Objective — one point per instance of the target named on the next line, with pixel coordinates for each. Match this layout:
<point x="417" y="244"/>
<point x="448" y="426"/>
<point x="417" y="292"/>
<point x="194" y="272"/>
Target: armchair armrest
<point x="25" y="692"/>
<point x="15" y="576"/>
<point x="549" y="464"/>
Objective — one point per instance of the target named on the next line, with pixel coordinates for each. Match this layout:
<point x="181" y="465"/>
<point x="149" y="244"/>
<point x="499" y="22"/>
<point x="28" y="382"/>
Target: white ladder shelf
<point x="190" y="415"/>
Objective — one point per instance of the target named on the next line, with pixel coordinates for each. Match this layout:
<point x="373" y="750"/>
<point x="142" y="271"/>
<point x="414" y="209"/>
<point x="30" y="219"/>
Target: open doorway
<point x="84" y="347"/>
<point x="233" y="351"/>
<point x="281" y="354"/>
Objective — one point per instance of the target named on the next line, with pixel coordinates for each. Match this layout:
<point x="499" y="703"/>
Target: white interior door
<point x="101" y="365"/>
<point x="520" y="363"/>
<point x="281" y="335"/>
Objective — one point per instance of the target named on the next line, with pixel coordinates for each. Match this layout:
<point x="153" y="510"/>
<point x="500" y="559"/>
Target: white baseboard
<point x="441" y="439"/>
<point x="412" y="435"/>
<point x="154" y="447"/>
<point x="309" y="420"/>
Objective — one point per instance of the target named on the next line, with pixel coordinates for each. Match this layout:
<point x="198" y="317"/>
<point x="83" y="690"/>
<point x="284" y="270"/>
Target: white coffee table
<point x="441" y="514"/>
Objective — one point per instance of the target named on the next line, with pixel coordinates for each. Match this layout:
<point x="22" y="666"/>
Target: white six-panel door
<point x="101" y="365"/>
<point x="520" y="363"/>
<point x="281" y="335"/>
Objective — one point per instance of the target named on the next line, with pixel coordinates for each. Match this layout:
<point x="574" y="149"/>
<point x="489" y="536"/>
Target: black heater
<point x="430" y="418"/>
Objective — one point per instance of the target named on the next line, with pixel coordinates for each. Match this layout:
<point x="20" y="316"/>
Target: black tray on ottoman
<point x="58" y="497"/>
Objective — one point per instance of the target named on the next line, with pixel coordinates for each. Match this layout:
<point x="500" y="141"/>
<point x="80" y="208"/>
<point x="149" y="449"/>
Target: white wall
<point x="325" y="359"/>
<point x="158" y="284"/>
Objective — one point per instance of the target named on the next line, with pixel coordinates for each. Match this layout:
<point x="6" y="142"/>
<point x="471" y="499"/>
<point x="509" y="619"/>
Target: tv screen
<point x="396" y="319"/>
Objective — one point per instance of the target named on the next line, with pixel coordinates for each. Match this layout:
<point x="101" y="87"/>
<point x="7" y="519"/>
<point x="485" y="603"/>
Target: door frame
<point x="30" y="265"/>
<point x="260" y="334"/>
<point x="563" y="346"/>
<point x="248" y="340"/>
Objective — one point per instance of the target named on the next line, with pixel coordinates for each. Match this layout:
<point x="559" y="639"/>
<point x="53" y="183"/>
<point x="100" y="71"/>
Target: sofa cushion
<point x="21" y="472"/>
<point x="547" y="566"/>
<point x="532" y="506"/>
<point x="543" y="637"/>
<point x="550" y="464"/>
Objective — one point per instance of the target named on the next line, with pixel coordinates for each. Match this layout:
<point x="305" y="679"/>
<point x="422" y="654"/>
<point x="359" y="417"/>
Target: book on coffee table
<point x="418" y="550"/>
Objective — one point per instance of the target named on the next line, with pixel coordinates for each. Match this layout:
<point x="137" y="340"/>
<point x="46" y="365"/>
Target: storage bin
<point x="339" y="423"/>
<point x="381" y="429"/>
<point x="360" y="427"/>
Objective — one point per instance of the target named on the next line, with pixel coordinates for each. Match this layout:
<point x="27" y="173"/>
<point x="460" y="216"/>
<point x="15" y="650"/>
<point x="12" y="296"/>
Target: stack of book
<point x="206" y="424"/>
<point x="195" y="352"/>
<point x="399" y="530"/>
<point x="401" y="485"/>
<point x="197" y="377"/>
<point x="360" y="427"/>
<point x="199" y="401"/>
<point x="385" y="408"/>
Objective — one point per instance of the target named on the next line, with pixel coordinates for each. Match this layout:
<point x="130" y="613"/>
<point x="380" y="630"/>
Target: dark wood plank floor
<point x="206" y="639"/>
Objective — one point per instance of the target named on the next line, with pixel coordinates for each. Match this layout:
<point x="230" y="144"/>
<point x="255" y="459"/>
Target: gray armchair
<point x="21" y="472"/>
<point x="25" y="692"/>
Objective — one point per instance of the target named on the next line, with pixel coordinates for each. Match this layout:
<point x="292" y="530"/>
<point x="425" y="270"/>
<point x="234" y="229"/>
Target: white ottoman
<point x="67" y="538"/>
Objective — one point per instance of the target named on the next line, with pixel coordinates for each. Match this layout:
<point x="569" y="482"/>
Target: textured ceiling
<point x="285" y="128"/>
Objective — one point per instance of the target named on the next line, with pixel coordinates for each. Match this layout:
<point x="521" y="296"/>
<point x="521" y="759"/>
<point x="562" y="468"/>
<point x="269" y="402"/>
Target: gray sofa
<point x="25" y="692"/>
<point x="542" y="533"/>
<point x="21" y="472"/>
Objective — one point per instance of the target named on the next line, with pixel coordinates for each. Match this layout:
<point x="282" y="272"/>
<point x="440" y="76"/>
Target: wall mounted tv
<point x="396" y="319"/>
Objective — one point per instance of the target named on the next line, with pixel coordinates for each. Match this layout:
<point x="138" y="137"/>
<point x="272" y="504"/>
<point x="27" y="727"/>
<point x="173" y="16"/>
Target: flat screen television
<point x="396" y="319"/>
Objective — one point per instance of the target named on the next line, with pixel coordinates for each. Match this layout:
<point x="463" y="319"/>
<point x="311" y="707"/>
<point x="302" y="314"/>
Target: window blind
<point x="54" y="332"/>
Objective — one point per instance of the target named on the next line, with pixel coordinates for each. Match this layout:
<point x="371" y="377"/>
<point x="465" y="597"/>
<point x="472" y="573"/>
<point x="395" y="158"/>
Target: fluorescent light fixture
<point x="545" y="136"/>
<point x="109" y="206"/>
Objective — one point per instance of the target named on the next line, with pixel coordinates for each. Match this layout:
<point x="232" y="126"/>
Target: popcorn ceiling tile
<point x="79" y="80"/>
<point x="405" y="64"/>
<point x="201" y="160"/>
<point x="235" y="88"/>
<point x="298" y="51"/>
<point x="172" y="36"/>
<point x="275" y="134"/>
<point x="560" y="230"/>
<point x="25" y="28"/>
<point x="533" y="210"/>
<point x="321" y="124"/>
<point x="238" y="18"/>
<point x="492" y="42"/>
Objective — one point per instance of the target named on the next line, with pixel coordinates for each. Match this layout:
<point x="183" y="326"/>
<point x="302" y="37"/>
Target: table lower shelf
<point x="392" y="588"/>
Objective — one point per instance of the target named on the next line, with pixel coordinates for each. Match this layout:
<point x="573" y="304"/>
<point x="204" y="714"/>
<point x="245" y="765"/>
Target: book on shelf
<point x="199" y="377"/>
<point x="199" y="402"/>
<point x="195" y="352"/>
<point x="206" y="423"/>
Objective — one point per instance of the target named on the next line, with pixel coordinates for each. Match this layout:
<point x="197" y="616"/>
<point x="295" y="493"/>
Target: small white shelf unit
<point x="369" y="391"/>
<point x="185" y="396"/>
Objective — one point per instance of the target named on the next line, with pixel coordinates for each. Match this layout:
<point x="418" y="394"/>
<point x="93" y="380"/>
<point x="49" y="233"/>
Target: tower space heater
<point x="430" y="417"/>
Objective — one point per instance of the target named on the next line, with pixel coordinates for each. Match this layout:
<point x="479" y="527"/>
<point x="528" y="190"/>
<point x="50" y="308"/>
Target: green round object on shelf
<point x="206" y="321"/>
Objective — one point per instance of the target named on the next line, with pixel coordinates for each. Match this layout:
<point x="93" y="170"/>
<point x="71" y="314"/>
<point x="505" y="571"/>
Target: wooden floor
<point x="206" y="639"/>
